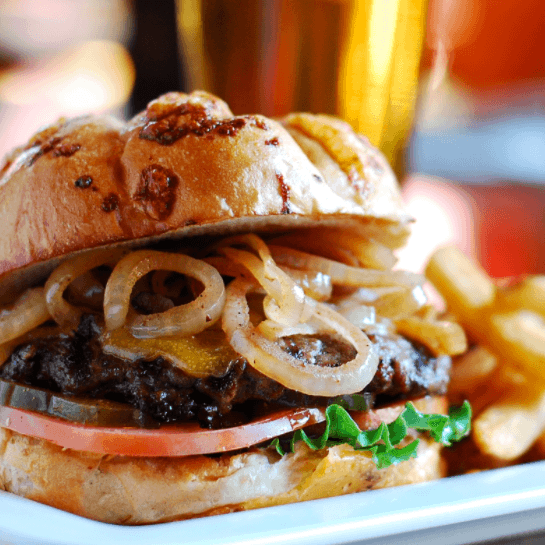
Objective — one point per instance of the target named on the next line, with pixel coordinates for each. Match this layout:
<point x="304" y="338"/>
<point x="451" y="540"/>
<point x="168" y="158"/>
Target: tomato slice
<point x="169" y="440"/>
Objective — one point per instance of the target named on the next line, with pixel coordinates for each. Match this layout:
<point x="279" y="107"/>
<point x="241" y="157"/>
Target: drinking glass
<point x="358" y="59"/>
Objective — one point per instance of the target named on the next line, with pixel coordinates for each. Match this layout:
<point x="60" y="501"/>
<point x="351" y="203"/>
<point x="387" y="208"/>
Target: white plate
<point x="473" y="507"/>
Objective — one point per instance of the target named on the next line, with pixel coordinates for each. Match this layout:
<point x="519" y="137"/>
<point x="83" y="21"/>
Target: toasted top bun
<point x="185" y="166"/>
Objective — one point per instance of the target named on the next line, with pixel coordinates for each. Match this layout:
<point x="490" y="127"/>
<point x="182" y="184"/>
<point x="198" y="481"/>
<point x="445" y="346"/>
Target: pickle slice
<point x="94" y="412"/>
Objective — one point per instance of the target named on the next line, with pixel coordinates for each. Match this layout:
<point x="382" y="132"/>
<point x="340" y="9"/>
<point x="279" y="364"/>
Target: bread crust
<point x="127" y="490"/>
<point x="185" y="166"/>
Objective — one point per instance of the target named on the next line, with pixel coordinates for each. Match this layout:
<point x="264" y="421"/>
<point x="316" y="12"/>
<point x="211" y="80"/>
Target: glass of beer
<point x="358" y="59"/>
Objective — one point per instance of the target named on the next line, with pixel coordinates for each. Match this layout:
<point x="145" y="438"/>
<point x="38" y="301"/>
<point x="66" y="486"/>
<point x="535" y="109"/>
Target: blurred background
<point x="453" y="91"/>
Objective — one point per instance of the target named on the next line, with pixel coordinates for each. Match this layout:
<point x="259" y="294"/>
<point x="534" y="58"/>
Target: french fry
<point x="427" y="312"/>
<point x="520" y="338"/>
<point x="496" y="386"/>
<point x="465" y="286"/>
<point x="507" y="396"/>
<point x="440" y="337"/>
<point x="527" y="294"/>
<point x="472" y="368"/>
<point x="479" y="395"/>
<point x="488" y="390"/>
<point x="509" y="427"/>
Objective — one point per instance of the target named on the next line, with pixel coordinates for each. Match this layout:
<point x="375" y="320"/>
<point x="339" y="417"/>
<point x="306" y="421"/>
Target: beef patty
<point x="75" y="364"/>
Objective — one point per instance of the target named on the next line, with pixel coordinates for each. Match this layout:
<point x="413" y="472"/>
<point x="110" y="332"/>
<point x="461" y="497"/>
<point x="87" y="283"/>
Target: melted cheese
<point x="207" y="353"/>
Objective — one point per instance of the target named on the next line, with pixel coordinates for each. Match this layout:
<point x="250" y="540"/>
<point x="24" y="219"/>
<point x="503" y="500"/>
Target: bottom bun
<point x="126" y="490"/>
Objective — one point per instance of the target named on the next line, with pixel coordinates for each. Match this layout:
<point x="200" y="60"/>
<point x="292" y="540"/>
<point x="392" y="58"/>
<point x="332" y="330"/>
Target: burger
<point x="201" y="314"/>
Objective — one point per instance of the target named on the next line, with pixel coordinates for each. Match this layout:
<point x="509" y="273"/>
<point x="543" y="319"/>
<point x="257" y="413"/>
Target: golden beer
<point x="358" y="59"/>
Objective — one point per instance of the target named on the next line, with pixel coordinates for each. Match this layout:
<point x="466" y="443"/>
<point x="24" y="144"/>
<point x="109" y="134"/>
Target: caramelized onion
<point x="286" y="303"/>
<point x="314" y="283"/>
<point x="273" y="330"/>
<point x="183" y="320"/>
<point x="358" y="314"/>
<point x="251" y="240"/>
<point x="336" y="244"/>
<point x="61" y="311"/>
<point x="370" y="253"/>
<point x="268" y="358"/>
<point x="28" y="312"/>
<point x="274" y="312"/>
<point x="307" y="241"/>
<point x="226" y="267"/>
<point x="256" y="267"/>
<point x="268" y="274"/>
<point x="393" y="302"/>
<point x="342" y="274"/>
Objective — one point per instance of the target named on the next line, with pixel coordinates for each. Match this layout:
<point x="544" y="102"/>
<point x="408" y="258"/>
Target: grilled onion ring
<point x="61" y="311"/>
<point x="287" y="303"/>
<point x="394" y="302"/>
<point x="291" y="307"/>
<point x="188" y="319"/>
<point x="314" y="283"/>
<point x="336" y="244"/>
<point x="342" y="274"/>
<point x="268" y="358"/>
<point x="273" y="330"/>
<point x="28" y="312"/>
<point x="226" y="267"/>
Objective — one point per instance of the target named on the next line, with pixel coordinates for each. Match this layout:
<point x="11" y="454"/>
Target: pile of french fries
<point x="503" y="373"/>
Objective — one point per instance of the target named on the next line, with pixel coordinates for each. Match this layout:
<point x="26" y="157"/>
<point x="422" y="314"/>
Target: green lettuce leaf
<point x="382" y="442"/>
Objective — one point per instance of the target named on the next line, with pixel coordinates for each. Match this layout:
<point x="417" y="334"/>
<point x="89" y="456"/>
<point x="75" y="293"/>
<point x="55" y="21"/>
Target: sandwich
<point x="201" y="314"/>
